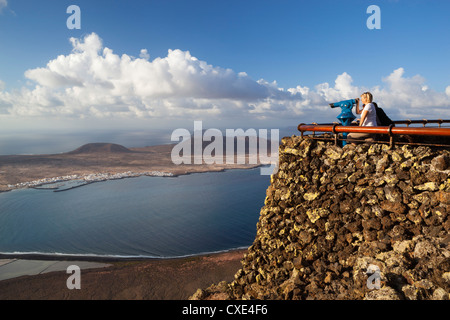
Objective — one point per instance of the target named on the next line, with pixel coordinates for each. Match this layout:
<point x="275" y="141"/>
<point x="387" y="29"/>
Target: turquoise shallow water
<point x="136" y="217"/>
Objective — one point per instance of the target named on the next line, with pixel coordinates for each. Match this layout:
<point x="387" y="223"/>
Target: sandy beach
<point x="165" y="279"/>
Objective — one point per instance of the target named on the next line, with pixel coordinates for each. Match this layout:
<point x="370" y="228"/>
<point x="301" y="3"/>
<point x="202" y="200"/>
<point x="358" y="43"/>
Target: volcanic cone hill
<point x="358" y="222"/>
<point x="101" y="148"/>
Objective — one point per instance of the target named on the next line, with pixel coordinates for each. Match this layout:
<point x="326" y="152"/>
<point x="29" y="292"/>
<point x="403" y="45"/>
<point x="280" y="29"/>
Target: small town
<point x="88" y="178"/>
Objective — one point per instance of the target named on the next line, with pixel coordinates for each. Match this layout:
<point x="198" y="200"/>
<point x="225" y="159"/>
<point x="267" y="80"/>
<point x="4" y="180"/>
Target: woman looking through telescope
<point x="368" y="115"/>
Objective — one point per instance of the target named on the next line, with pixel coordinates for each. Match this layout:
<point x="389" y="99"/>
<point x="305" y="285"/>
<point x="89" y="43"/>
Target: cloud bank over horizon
<point x="94" y="82"/>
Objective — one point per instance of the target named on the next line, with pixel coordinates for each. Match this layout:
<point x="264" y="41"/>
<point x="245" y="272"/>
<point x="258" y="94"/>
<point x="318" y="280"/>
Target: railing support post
<point x="391" y="137"/>
<point x="335" y="135"/>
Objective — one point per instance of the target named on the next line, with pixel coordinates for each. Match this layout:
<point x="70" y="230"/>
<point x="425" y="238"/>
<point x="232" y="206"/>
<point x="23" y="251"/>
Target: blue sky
<point x="256" y="63"/>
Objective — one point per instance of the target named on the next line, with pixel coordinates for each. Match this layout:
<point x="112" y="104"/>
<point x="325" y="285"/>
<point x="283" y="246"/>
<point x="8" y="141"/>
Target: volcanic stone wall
<point x="358" y="222"/>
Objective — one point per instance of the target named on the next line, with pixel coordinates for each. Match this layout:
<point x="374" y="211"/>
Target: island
<point x="95" y="162"/>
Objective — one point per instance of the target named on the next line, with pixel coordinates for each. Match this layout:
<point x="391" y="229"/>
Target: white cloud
<point x="3" y="4"/>
<point x="93" y="78"/>
<point x="411" y="97"/>
<point x="144" y="54"/>
<point x="401" y="97"/>
<point x="93" y="81"/>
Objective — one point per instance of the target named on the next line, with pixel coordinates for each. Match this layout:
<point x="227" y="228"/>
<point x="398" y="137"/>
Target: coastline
<point x="86" y="178"/>
<point x="130" y="278"/>
<point x="101" y="177"/>
<point x="103" y="258"/>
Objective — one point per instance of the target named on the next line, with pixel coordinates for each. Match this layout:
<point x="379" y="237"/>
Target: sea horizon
<point x="46" y="142"/>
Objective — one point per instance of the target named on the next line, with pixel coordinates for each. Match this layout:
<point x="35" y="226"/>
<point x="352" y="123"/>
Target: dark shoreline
<point x="128" y="279"/>
<point x="98" y="258"/>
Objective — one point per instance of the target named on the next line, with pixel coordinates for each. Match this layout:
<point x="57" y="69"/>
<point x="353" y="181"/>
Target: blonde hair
<point x="368" y="96"/>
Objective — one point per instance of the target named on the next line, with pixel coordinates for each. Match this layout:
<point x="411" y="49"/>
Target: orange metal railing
<point x="423" y="121"/>
<point x="390" y="131"/>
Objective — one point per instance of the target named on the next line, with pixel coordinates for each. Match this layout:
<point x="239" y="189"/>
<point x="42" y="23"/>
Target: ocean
<point x="151" y="217"/>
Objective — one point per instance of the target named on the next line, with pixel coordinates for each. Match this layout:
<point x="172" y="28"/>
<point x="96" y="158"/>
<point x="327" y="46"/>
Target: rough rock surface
<point x="358" y="222"/>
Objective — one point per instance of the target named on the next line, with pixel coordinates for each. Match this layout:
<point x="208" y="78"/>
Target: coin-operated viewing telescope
<point x="346" y="116"/>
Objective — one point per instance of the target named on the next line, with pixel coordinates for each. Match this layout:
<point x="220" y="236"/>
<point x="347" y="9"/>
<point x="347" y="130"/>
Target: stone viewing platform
<point x="361" y="222"/>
